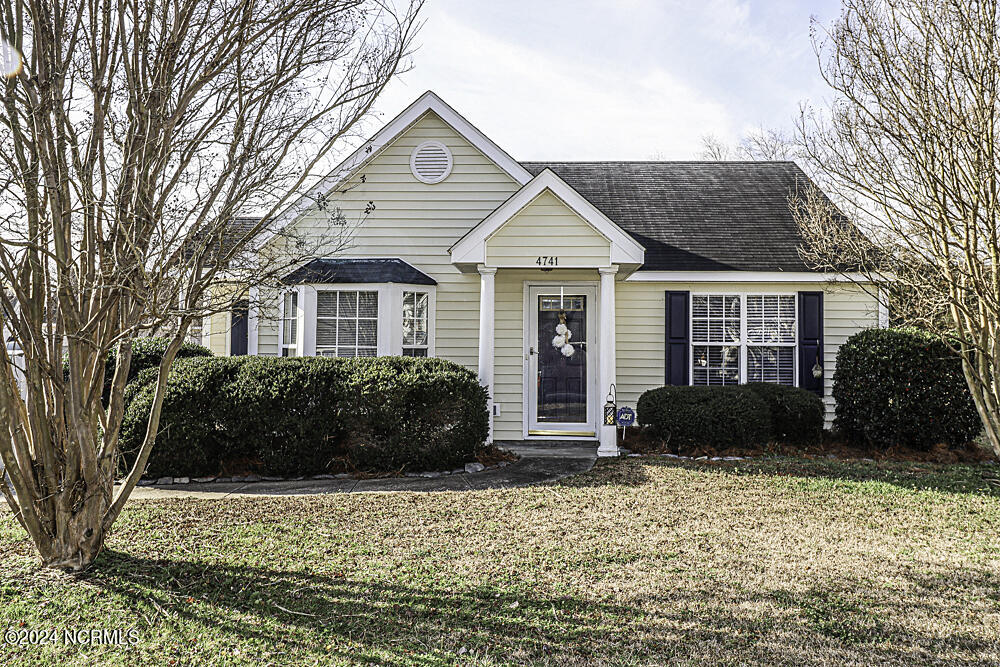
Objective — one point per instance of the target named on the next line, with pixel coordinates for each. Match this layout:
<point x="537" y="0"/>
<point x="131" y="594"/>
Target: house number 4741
<point x="547" y="261"/>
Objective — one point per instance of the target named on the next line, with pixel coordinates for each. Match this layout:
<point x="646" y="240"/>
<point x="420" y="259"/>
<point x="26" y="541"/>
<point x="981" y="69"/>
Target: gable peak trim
<point x="471" y="248"/>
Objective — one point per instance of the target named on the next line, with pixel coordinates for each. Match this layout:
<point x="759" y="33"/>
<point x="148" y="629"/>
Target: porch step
<point x="570" y="449"/>
<point x="546" y="443"/>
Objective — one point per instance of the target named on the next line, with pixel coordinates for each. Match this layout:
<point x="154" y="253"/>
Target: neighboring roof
<point x="697" y="216"/>
<point x="345" y="270"/>
<point x="471" y="248"/>
<point x="234" y="231"/>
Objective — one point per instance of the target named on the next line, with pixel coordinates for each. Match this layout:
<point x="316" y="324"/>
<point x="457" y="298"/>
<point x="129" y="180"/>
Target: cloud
<point x="540" y="105"/>
<point x="615" y="79"/>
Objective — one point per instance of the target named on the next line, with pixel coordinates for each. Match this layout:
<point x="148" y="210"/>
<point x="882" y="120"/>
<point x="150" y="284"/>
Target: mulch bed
<point x="490" y="456"/>
<point x="641" y="441"/>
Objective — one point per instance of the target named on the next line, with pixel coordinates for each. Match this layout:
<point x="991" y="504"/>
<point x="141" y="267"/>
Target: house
<point x="558" y="282"/>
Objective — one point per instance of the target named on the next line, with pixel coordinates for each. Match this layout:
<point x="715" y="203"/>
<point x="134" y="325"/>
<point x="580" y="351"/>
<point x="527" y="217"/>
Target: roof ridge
<point x="657" y="162"/>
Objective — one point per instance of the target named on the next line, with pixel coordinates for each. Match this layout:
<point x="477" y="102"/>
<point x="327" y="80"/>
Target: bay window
<point x="416" y="317"/>
<point x="357" y="320"/>
<point x="346" y="323"/>
<point x="737" y="338"/>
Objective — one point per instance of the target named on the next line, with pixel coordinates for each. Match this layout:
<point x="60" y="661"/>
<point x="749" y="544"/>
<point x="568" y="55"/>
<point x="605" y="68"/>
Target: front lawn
<point x="640" y="561"/>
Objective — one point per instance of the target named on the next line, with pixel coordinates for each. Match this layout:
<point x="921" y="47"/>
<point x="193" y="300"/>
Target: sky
<point x="615" y="79"/>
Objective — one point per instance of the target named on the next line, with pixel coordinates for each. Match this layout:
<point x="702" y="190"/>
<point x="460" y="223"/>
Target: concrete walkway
<point x="538" y="465"/>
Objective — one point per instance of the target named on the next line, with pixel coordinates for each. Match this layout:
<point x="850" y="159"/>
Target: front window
<point x="347" y="323"/>
<point x="743" y="338"/>
<point x="715" y="332"/>
<point x="415" y="324"/>
<point x="289" y="323"/>
<point x="771" y="338"/>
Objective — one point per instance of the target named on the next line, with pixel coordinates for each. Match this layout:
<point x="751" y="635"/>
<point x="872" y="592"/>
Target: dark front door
<point x="562" y="359"/>
<point x="240" y="328"/>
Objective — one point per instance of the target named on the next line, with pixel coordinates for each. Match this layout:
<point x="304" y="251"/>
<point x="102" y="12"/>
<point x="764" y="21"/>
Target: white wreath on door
<point x="563" y="334"/>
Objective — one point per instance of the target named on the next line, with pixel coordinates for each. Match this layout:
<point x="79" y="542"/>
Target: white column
<point x="486" y="343"/>
<point x="253" y="320"/>
<point x="883" y="308"/>
<point x="606" y="326"/>
<point x="306" y="344"/>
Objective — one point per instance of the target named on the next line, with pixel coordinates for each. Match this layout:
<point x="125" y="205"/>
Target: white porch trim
<point x="883" y="308"/>
<point x="608" y="363"/>
<point x="743" y="277"/>
<point x="253" y="320"/>
<point x="471" y="248"/>
<point x="487" y="297"/>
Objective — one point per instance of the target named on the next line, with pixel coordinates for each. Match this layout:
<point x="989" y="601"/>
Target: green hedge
<point x="298" y="416"/>
<point x="749" y="415"/>
<point x="796" y="414"/>
<point x="147" y="353"/>
<point x="902" y="387"/>
<point x="717" y="417"/>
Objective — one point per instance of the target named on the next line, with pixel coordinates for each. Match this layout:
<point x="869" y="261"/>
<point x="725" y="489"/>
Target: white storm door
<point x="561" y="381"/>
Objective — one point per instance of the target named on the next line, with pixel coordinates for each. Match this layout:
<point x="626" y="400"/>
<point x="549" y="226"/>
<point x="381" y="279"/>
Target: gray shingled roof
<point x="697" y="216"/>
<point x="345" y="270"/>
<point x="224" y="240"/>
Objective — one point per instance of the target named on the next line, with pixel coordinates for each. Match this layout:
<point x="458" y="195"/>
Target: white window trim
<point x="390" y="315"/>
<point x="281" y="321"/>
<point x="744" y="343"/>
<point x="431" y="303"/>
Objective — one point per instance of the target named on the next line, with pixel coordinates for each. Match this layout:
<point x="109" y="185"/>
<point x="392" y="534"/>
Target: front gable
<point x="547" y="215"/>
<point x="547" y="232"/>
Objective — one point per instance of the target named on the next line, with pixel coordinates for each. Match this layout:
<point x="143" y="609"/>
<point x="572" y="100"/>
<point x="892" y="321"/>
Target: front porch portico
<point x="548" y="262"/>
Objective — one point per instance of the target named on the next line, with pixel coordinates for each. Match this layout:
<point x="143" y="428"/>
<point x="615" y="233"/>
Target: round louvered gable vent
<point x="431" y="162"/>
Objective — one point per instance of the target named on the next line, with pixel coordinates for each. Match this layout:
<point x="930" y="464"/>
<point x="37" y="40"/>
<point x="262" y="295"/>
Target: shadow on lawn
<point x="333" y="615"/>
<point x="946" y="478"/>
<point x="306" y="614"/>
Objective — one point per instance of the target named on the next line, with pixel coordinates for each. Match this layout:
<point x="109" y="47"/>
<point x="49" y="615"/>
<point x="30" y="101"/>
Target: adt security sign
<point x="626" y="416"/>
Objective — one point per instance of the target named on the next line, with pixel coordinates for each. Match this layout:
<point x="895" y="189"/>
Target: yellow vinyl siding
<point x="639" y="315"/>
<point x="216" y="335"/>
<point x="547" y="227"/>
<point x="417" y="222"/>
<point x="216" y="332"/>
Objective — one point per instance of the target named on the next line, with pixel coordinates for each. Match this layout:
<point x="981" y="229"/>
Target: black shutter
<point x="676" y="353"/>
<point x="239" y="330"/>
<point x="810" y="340"/>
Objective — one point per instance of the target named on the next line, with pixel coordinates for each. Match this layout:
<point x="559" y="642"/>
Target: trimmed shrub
<point x="796" y="413"/>
<point x="193" y="439"/>
<point x="719" y="417"/>
<point x="291" y="409"/>
<point x="425" y="416"/>
<point x="297" y="416"/>
<point x="147" y="353"/>
<point x="902" y="387"/>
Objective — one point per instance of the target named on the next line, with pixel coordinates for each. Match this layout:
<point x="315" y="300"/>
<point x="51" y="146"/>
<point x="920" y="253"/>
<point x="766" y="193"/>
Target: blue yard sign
<point x="626" y="416"/>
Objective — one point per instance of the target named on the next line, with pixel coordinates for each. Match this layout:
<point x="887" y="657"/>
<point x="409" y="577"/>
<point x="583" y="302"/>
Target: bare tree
<point x="909" y="147"/>
<point x="135" y="135"/>
<point x="759" y="145"/>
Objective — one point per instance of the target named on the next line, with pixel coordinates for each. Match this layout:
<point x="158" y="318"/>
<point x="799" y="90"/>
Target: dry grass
<point x="639" y="562"/>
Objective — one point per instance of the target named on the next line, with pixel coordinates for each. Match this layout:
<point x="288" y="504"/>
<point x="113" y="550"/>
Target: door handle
<point x="531" y="350"/>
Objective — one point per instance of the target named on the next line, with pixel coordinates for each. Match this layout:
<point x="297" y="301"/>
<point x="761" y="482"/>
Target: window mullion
<point x="743" y="338"/>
